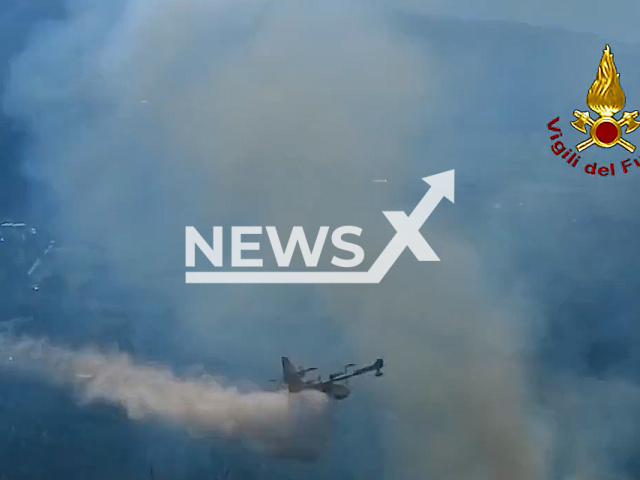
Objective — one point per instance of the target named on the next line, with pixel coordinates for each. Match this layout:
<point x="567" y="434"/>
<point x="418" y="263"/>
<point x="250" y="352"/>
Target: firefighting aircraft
<point x="295" y="382"/>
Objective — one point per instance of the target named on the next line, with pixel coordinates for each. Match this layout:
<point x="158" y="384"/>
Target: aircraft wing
<point x="376" y="366"/>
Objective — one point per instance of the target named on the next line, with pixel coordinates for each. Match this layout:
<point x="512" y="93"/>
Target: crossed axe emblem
<point x="605" y="131"/>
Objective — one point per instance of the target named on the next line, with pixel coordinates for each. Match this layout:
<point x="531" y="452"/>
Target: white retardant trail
<point x="292" y="426"/>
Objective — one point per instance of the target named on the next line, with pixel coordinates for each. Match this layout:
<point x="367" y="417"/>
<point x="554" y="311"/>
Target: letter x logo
<point x="408" y="233"/>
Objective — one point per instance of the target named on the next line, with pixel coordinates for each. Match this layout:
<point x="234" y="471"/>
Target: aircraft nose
<point x="341" y="392"/>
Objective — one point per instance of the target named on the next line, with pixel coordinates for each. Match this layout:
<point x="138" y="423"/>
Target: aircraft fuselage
<point x="333" y="390"/>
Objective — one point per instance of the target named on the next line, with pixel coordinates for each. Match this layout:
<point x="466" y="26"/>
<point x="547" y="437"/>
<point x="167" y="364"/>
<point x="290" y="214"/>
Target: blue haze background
<point x="514" y="357"/>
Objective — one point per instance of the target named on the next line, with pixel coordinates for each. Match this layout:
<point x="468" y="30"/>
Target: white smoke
<point x="147" y="116"/>
<point x="276" y="423"/>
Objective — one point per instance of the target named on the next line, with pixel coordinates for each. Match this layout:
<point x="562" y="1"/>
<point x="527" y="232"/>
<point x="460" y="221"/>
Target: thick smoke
<point x="289" y="426"/>
<point x="459" y="374"/>
<point x="151" y="115"/>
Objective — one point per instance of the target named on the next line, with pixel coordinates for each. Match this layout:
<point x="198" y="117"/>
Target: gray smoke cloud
<point x="150" y="116"/>
<point x="459" y="376"/>
<point x="289" y="426"/>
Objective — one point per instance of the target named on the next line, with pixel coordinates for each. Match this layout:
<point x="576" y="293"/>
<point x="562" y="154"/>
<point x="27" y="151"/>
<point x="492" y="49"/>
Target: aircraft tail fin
<point x="290" y="374"/>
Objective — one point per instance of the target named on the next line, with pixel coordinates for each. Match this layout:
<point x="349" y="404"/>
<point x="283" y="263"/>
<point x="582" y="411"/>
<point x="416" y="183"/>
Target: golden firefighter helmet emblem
<point x="606" y="98"/>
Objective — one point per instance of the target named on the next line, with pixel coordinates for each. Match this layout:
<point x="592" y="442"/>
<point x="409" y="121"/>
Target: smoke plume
<point x="290" y="426"/>
<point x="147" y="116"/>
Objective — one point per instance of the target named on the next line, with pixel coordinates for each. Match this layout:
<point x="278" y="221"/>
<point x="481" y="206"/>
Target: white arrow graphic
<point x="407" y="235"/>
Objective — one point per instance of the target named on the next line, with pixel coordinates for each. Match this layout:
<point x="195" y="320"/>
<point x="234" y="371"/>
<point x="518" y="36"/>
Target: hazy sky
<point x="513" y="356"/>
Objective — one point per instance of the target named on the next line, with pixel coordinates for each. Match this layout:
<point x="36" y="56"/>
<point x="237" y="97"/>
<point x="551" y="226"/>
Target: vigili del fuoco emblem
<point x="606" y="98"/>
